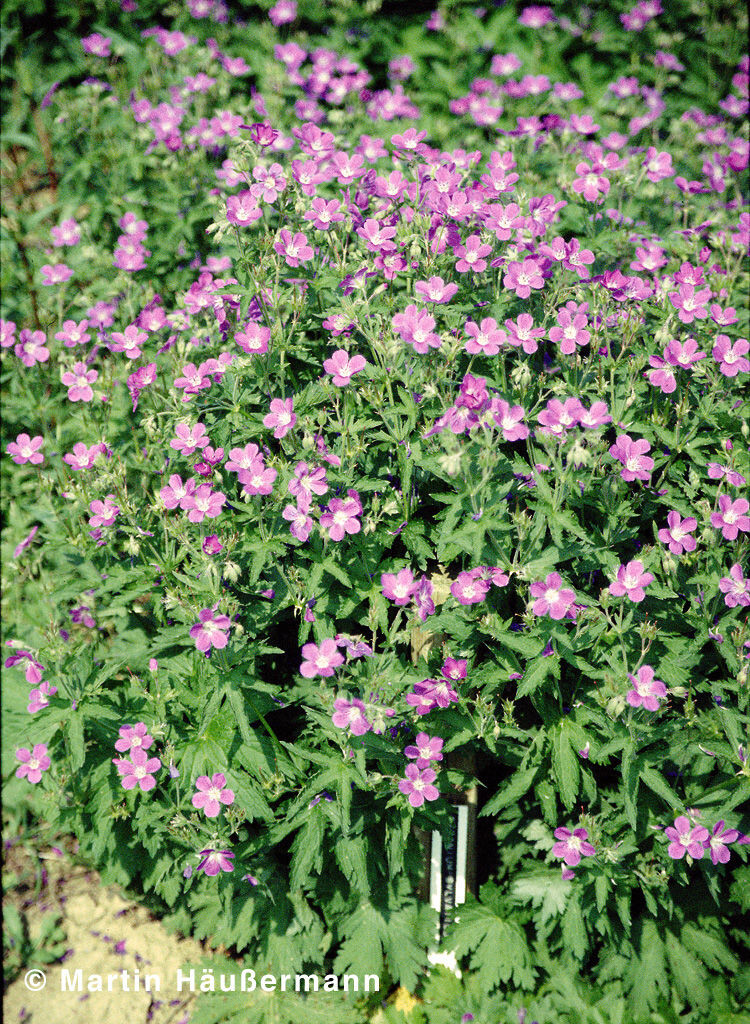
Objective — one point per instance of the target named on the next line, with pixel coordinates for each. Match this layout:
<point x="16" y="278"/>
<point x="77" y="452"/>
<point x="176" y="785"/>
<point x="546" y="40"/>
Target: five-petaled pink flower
<point x="138" y="771"/>
<point x="351" y="715"/>
<point x="342" y="367"/>
<point x="398" y="587"/>
<point x="718" y="841"/>
<point x="33" y="762"/>
<point x="26" y="449"/>
<point x="418" y="785"/>
<point x="632" y="454"/>
<point x="522" y="277"/>
<point x="678" y="533"/>
<point x="341" y="517"/>
<point x="735" y="587"/>
<point x="189" y="439"/>
<point x="732" y="517"/>
<point x="571" y="846"/>
<point x="293" y="248"/>
<point x="551" y="597"/>
<point x="646" y="691"/>
<point x="320" y="660"/>
<point x="485" y="338"/>
<point x="210" y="630"/>
<point x="212" y="793"/>
<point x="133" y="737"/>
<point x="105" y="512"/>
<point x="78" y="381"/>
<point x="215" y="861"/>
<point x="281" y="417"/>
<point x="631" y="582"/>
<point x="686" y="839"/>
<point x="731" y="357"/>
<point x="426" y="749"/>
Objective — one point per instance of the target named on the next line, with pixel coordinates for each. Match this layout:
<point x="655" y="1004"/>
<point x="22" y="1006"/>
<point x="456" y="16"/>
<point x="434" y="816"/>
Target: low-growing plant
<point x="376" y="407"/>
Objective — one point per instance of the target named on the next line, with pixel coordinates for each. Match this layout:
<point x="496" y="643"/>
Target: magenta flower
<point x="212" y="793"/>
<point x="485" y="338"/>
<point x="592" y="185"/>
<point x="78" y="381"/>
<point x="281" y="417"/>
<point x="718" y="841"/>
<point x="678" y="533"/>
<point x="341" y="517"/>
<point x="38" y="697"/>
<point x="243" y="209"/>
<point x="67" y="232"/>
<point x="105" y="512"/>
<point x="551" y="597"/>
<point x="426" y="749"/>
<point x="189" y="440"/>
<point x="558" y="417"/>
<point x="215" y="861"/>
<point x="522" y="277"/>
<point x="26" y="449"/>
<point x="211" y="545"/>
<point x="173" y="494"/>
<point x="471" y="256"/>
<point x="735" y="587"/>
<point x="686" y="839"/>
<point x="342" y="367"/>
<point x="138" y="771"/>
<point x="571" y="846"/>
<point x="293" y="248"/>
<point x="73" y="333"/>
<point x="509" y="419"/>
<point x="570" y="331"/>
<point x="129" y="341"/>
<point x="632" y="454"/>
<point x="320" y="660"/>
<point x="203" y="503"/>
<point x="418" y="785"/>
<point x="646" y="691"/>
<point x="31" y="347"/>
<point x="26" y="542"/>
<point x="690" y="303"/>
<point x="133" y="737"/>
<point x="253" y="339"/>
<point x="658" y="165"/>
<point x="661" y="375"/>
<point x="96" y="44"/>
<point x="283" y="12"/>
<point x="257" y="478"/>
<point x="731" y="358"/>
<point x="732" y="517"/>
<point x="398" y="587"/>
<point x="351" y="715"/>
<point x="57" y="274"/>
<point x="470" y="587"/>
<point x="210" y="630"/>
<point x="435" y="290"/>
<point x="307" y="481"/>
<point x="33" y="762"/>
<point x="415" y="326"/>
<point x="631" y="582"/>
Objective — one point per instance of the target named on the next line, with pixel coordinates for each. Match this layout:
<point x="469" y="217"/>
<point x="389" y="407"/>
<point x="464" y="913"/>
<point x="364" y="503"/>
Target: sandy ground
<point x="106" y="935"/>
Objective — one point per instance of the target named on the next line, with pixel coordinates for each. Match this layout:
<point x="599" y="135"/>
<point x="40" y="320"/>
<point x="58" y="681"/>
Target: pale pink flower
<point x="631" y="581"/>
<point x="342" y="367"/>
<point x="281" y="417"/>
<point x="646" y="691"/>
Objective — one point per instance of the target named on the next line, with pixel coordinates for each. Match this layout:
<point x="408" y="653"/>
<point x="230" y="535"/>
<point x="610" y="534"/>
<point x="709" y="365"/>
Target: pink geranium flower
<point x="398" y="587"/>
<point x="632" y="454"/>
<point x="571" y="846"/>
<point x="351" y="715"/>
<point x="105" y="512"/>
<point x="341" y="517"/>
<point x="68" y="232"/>
<point x="718" y="841"/>
<point x="631" y="582"/>
<point x="731" y="357"/>
<point x="31" y="347"/>
<point x="732" y="517"/>
<point x="215" y="861"/>
<point x="26" y="449"/>
<point x="258" y="478"/>
<point x="78" y="381"/>
<point x="281" y="417"/>
<point x="133" y="737"/>
<point x="509" y="419"/>
<point x="678" y="533"/>
<point x="58" y="273"/>
<point x="212" y="793"/>
<point x="686" y="839"/>
<point x="320" y="660"/>
<point x="522" y="277"/>
<point x="551" y="597"/>
<point x="342" y="367"/>
<point x="189" y="440"/>
<point x="426" y="749"/>
<point x="418" y="785"/>
<point x="210" y="630"/>
<point x="435" y="290"/>
<point x="138" y="771"/>
<point x="646" y="691"/>
<point x="253" y="339"/>
<point x="33" y="762"/>
<point x="735" y="587"/>
<point x="485" y="338"/>
<point x="293" y="248"/>
<point x="203" y="503"/>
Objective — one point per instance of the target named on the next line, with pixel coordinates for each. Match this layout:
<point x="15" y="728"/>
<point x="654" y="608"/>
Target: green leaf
<point x="630" y="780"/>
<point x="565" y="763"/>
<point x="511" y="792"/>
<point x="496" y="946"/>
<point x="536" y="673"/>
<point x="646" y="977"/>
